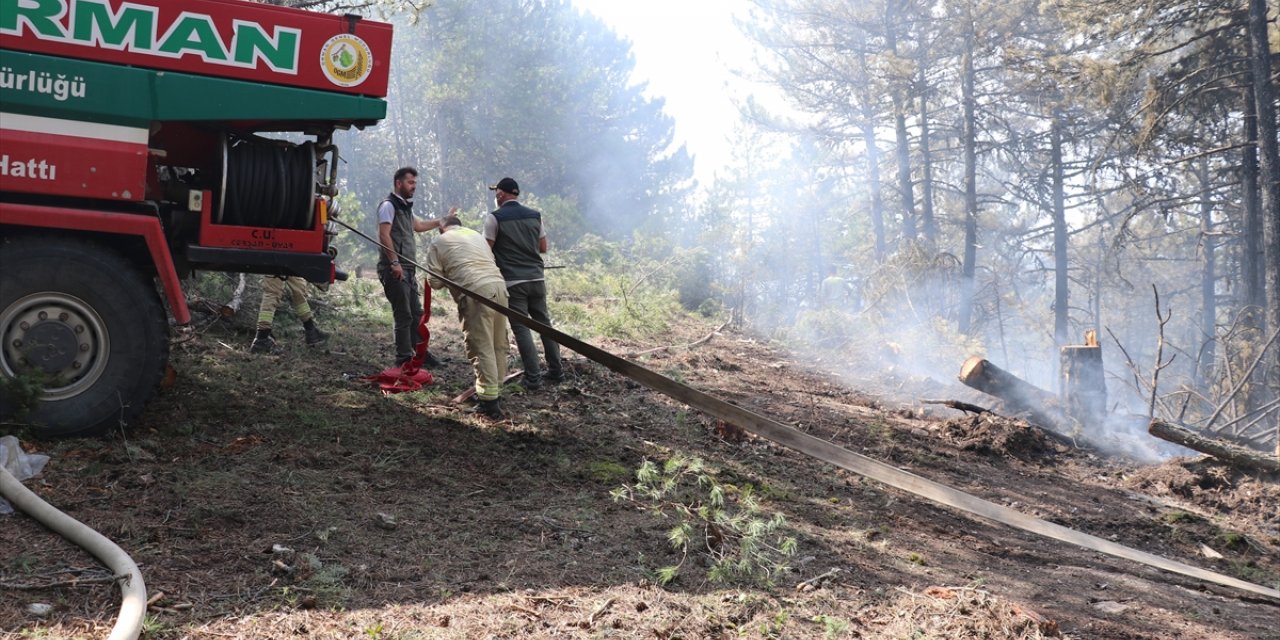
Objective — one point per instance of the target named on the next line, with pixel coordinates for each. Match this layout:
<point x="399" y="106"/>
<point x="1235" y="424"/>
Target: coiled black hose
<point x="269" y="184"/>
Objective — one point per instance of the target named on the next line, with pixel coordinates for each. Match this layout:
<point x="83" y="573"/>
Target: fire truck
<point x="144" y="140"/>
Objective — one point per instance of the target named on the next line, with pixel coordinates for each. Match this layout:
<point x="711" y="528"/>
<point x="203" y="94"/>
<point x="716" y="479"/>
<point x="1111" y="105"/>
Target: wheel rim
<point x="57" y="335"/>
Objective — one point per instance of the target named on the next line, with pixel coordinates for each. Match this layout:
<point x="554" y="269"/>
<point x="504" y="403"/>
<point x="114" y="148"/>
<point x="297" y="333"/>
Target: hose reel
<point x="267" y="183"/>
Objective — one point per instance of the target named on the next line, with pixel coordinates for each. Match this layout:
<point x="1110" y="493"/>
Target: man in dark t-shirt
<point x="515" y="233"/>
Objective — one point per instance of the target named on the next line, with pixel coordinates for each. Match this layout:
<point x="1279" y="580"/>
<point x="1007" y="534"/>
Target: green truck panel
<point x="48" y="86"/>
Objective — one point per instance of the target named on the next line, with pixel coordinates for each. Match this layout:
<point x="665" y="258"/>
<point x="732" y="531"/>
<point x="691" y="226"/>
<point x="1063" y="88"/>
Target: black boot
<point x="491" y="409"/>
<point x="431" y="362"/>
<point x="314" y="335"/>
<point x="263" y="342"/>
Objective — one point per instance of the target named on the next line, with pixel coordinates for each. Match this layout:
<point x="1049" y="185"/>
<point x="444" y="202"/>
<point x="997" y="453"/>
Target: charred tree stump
<point x="1018" y="396"/>
<point x="1082" y="381"/>
<point x="1221" y="449"/>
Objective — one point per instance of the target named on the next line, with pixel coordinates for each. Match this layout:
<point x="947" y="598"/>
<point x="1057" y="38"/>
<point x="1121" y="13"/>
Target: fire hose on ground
<point x="133" y="606"/>
<point x="825" y="451"/>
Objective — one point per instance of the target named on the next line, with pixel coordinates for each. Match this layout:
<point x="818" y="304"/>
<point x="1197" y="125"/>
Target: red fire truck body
<point x="143" y="140"/>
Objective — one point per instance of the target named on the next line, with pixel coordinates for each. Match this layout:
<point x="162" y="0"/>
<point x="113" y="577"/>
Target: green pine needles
<point x="720" y="525"/>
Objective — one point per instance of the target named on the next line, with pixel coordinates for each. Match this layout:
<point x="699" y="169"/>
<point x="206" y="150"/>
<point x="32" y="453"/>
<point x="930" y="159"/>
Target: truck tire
<point x="83" y="323"/>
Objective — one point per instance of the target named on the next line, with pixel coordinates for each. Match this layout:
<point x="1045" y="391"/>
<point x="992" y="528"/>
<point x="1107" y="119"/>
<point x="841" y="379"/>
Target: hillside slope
<point x="283" y="497"/>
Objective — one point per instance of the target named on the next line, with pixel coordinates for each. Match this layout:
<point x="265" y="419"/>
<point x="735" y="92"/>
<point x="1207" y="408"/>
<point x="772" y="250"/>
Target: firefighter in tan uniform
<point x="274" y="289"/>
<point x="462" y="255"/>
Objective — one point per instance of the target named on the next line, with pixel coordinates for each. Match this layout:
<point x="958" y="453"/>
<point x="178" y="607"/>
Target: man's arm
<point x="490" y="229"/>
<point x="433" y="223"/>
<point x="426" y="225"/>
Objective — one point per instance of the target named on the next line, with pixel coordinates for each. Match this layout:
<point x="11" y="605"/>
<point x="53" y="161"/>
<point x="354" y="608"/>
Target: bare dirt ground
<point x="281" y="497"/>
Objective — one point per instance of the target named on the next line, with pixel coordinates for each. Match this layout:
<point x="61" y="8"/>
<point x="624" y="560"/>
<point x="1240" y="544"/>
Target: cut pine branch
<point x="232" y="306"/>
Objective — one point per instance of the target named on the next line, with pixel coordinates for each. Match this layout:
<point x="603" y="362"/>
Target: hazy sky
<point x="687" y="50"/>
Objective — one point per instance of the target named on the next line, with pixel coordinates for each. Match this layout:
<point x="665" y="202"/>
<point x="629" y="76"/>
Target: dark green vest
<point x="515" y="247"/>
<point x="402" y="234"/>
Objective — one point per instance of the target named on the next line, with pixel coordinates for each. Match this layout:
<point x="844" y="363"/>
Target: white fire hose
<point x="134" y="604"/>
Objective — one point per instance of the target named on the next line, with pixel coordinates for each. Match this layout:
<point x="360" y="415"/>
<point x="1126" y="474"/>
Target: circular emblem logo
<point x="346" y="60"/>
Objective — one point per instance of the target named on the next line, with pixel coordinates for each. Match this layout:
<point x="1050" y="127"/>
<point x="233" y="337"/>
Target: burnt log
<point x="1227" y="452"/>
<point x="1019" y="396"/>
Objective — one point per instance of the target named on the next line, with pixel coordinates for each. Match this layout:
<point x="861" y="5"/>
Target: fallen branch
<point x="1220" y="449"/>
<point x="1254" y="417"/>
<point x="74" y="582"/>
<point x="816" y="580"/>
<point x="555" y="601"/>
<point x="204" y="306"/>
<point x="959" y="406"/>
<point x="1261" y="437"/>
<point x="591" y="620"/>
<point x="1243" y="379"/>
<point x="695" y="343"/>
<point x="529" y="612"/>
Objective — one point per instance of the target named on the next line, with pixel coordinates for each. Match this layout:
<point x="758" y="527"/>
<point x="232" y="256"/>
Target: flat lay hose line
<point x="825" y="451"/>
<point x="133" y="605"/>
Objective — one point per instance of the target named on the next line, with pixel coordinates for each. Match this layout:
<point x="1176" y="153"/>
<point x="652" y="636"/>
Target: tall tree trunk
<point x="904" y="146"/>
<point x="1252" y="273"/>
<point x="1251" y="251"/>
<point x="1269" y="175"/>
<point x="873" y="154"/>
<point x="969" y="135"/>
<point x="926" y="161"/>
<point x="1098" y="261"/>
<point x="747" y="268"/>
<point x="1268" y="156"/>
<point x="904" y="173"/>
<point x="877" y="199"/>
<point x="1208" y="280"/>
<point x="1060" y="281"/>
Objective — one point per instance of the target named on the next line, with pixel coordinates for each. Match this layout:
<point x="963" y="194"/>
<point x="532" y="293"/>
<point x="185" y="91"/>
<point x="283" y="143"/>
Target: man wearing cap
<point x="462" y="256"/>
<point x="515" y="233"/>
<point x="396" y="228"/>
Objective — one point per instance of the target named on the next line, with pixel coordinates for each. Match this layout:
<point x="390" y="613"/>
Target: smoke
<point x="894" y="334"/>
<point x="553" y="104"/>
<point x="1125" y="435"/>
